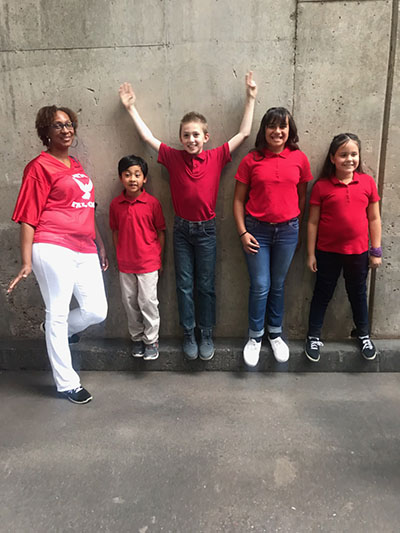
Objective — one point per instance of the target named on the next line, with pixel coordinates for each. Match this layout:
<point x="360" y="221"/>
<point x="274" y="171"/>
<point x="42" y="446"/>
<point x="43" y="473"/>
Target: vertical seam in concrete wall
<point x="295" y="56"/>
<point x="385" y="131"/>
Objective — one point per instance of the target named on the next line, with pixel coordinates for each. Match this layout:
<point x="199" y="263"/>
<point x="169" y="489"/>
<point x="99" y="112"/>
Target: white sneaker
<point x="280" y="349"/>
<point x="251" y="352"/>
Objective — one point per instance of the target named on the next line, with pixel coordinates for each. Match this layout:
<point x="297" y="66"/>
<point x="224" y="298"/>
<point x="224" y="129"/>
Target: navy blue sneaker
<point x="78" y="395"/>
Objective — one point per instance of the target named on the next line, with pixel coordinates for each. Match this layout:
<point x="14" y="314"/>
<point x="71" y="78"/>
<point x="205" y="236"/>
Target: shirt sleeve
<point x="315" y="198"/>
<point x="243" y="173"/>
<point x="159" y="220"/>
<point x="374" y="196"/>
<point x="305" y="172"/>
<point x="32" y="196"/>
<point x="226" y="155"/>
<point x="164" y="155"/>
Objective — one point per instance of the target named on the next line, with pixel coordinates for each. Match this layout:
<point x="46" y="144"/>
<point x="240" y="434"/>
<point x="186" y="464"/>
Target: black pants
<point x="355" y="271"/>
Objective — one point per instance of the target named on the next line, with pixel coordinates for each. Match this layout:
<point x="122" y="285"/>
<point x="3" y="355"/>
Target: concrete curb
<point x="114" y="354"/>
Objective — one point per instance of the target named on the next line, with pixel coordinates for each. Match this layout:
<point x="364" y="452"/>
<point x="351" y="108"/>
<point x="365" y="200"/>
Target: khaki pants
<point x="139" y="296"/>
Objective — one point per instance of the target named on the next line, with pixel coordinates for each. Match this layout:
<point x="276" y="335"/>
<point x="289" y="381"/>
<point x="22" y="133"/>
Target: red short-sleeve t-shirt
<point x="59" y="202"/>
<point x="343" y="223"/>
<point x="272" y="182"/>
<point x="137" y="222"/>
<point x="194" y="180"/>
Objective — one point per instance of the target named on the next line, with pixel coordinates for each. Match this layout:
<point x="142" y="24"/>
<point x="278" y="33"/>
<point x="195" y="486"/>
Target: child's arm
<point x="26" y="240"/>
<point x="312" y="230"/>
<point x="247" y="120"/>
<point x="101" y="249"/>
<point x="161" y="238"/>
<point x="249" y="243"/>
<point x="375" y="232"/>
<point x="115" y="238"/>
<point x="128" y="98"/>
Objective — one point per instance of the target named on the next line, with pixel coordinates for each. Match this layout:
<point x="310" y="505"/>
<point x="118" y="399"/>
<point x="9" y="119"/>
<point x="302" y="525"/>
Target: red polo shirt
<point x="59" y="202"/>
<point x="272" y="182"/>
<point x="343" y="223"/>
<point x="137" y="222"/>
<point x="194" y="180"/>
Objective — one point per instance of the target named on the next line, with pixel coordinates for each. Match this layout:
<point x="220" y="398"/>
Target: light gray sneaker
<point x="190" y="348"/>
<point x="151" y="352"/>
<point x="206" y="345"/>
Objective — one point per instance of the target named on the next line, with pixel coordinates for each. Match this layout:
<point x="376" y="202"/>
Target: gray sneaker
<point x="151" y="352"/>
<point x="206" y="344"/>
<point x="190" y="348"/>
<point x="137" y="349"/>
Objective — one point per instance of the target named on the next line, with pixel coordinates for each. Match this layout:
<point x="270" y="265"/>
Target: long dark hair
<point x="276" y="115"/>
<point x="329" y="168"/>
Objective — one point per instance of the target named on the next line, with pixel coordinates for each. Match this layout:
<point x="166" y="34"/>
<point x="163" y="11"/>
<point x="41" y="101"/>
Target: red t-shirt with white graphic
<point x="59" y="202"/>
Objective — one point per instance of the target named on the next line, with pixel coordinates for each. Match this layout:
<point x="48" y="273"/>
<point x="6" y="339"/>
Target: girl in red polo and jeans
<point x="344" y="209"/>
<point x="269" y="198"/>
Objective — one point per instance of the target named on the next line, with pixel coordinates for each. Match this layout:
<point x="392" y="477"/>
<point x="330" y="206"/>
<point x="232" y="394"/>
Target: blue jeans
<point x="195" y="250"/>
<point x="267" y="271"/>
<point x="355" y="272"/>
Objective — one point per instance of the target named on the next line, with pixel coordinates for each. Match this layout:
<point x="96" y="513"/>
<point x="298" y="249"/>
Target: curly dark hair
<point x="45" y="117"/>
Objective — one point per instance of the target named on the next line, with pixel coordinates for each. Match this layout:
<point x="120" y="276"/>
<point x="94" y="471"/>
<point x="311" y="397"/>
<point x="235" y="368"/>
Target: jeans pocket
<point x="251" y="223"/>
<point x="294" y="224"/>
<point x="209" y="231"/>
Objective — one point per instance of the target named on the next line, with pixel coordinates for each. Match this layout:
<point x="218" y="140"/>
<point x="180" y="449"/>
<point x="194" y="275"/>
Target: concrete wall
<point x="327" y="61"/>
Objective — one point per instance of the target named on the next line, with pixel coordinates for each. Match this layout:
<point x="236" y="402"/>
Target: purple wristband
<point x="375" y="252"/>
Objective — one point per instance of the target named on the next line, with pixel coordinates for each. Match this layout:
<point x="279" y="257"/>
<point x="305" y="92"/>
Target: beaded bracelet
<point x="375" y="252"/>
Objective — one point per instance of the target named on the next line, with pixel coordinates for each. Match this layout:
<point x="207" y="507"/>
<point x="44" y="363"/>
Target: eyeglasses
<point x="59" y="126"/>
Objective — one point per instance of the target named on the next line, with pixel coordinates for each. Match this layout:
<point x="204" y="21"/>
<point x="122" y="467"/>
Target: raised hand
<point x="251" y="86"/>
<point x="127" y="95"/>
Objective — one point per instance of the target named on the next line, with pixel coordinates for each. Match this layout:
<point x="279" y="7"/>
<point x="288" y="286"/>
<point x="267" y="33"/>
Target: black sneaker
<point x="137" y="349"/>
<point x="367" y="347"/>
<point x="313" y="345"/>
<point x="151" y="352"/>
<point x="78" y="395"/>
<point x="73" y="339"/>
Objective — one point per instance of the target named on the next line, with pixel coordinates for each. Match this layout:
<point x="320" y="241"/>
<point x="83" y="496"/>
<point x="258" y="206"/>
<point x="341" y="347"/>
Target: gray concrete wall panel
<point x="308" y="56"/>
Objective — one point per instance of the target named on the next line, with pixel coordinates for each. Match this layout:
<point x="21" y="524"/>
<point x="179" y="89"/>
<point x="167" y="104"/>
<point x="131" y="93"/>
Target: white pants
<point x="139" y="296"/>
<point x="61" y="273"/>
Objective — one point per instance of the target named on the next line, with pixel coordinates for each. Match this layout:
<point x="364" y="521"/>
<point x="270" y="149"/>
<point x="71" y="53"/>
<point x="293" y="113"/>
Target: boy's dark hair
<point x="329" y="168"/>
<point x="193" y="116"/>
<point x="45" y="117"/>
<point x="131" y="160"/>
<point x="276" y="115"/>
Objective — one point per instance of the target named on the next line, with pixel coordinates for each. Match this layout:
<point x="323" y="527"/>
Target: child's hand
<point x="250" y="243"/>
<point x="312" y="263"/>
<point x="128" y="97"/>
<point x="251" y="86"/>
<point x="374" y="262"/>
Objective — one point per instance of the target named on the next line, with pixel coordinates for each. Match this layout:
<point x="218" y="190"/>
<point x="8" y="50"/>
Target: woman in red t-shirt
<point x="269" y="199"/>
<point x="55" y="209"/>
<point x="344" y="211"/>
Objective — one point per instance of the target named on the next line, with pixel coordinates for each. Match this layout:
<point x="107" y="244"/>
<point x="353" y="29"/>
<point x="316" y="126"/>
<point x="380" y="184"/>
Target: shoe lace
<point x="366" y="343"/>
<point x="315" y="343"/>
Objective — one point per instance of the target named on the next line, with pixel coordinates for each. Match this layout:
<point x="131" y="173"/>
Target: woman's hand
<point x="312" y="262"/>
<point x="23" y="274"/>
<point x="374" y="262"/>
<point x="127" y="95"/>
<point x="249" y="243"/>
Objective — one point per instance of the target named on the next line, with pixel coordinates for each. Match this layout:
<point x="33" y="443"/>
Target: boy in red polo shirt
<point x="194" y="182"/>
<point x="138" y="227"/>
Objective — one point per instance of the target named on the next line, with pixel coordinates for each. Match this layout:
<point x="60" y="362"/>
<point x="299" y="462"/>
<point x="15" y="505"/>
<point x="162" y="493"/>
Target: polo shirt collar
<point x="335" y="181"/>
<point x="285" y="152"/>
<point x="189" y="158"/>
<point x="141" y="198"/>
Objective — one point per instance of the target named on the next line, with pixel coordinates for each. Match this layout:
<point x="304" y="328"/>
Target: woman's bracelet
<point x="244" y="233"/>
<point x="375" y="252"/>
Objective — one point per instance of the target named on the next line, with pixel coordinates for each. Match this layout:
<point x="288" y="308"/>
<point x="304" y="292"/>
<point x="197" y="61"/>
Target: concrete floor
<point x="201" y="452"/>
